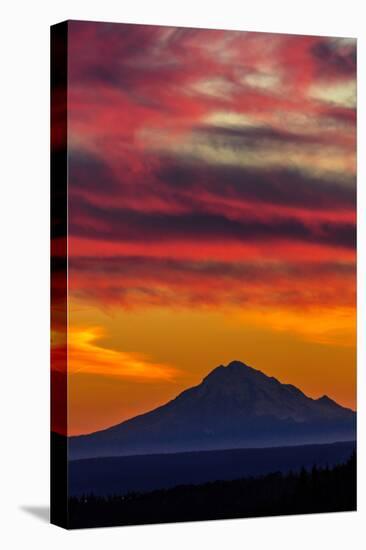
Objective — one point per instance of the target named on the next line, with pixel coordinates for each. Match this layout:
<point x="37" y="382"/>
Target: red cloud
<point x="210" y="145"/>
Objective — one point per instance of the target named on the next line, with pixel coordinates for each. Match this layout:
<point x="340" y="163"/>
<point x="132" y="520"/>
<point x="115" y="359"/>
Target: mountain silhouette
<point x="235" y="406"/>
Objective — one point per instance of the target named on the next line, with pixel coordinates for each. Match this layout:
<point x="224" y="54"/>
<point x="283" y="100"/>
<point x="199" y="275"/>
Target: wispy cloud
<point x="87" y="355"/>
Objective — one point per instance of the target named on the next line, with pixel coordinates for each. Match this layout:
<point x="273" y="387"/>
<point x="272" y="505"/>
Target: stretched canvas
<point x="203" y="255"/>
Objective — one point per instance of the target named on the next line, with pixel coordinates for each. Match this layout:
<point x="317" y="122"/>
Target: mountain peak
<point x="326" y="399"/>
<point x="237" y="364"/>
<point x="232" y="369"/>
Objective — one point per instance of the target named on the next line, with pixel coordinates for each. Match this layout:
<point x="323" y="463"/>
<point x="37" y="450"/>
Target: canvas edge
<point x="58" y="269"/>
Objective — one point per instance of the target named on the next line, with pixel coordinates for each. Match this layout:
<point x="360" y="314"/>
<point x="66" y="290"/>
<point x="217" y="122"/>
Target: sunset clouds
<point x="211" y="170"/>
<point x="85" y="355"/>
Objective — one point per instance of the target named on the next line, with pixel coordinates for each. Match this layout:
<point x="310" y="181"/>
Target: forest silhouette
<point x="306" y="491"/>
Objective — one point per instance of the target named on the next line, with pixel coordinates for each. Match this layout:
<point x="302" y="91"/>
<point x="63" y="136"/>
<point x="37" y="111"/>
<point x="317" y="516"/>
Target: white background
<point x="24" y="218"/>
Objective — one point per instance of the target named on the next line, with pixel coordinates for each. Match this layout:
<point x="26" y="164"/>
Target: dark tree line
<point x="304" y="492"/>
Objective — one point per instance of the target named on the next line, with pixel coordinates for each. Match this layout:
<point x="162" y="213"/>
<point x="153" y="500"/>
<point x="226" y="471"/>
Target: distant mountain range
<point x="235" y="406"/>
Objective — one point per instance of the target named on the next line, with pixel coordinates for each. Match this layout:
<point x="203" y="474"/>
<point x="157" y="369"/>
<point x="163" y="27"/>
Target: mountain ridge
<point x="234" y="406"/>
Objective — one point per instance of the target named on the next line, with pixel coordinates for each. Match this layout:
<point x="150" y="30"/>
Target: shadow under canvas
<point x="40" y="512"/>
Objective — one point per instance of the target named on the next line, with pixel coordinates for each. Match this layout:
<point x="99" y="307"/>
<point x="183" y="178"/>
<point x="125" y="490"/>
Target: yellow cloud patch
<point x="86" y="354"/>
<point x="342" y="95"/>
<point x="330" y="326"/>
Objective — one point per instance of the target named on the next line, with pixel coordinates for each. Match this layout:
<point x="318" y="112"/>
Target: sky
<point x="212" y="197"/>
